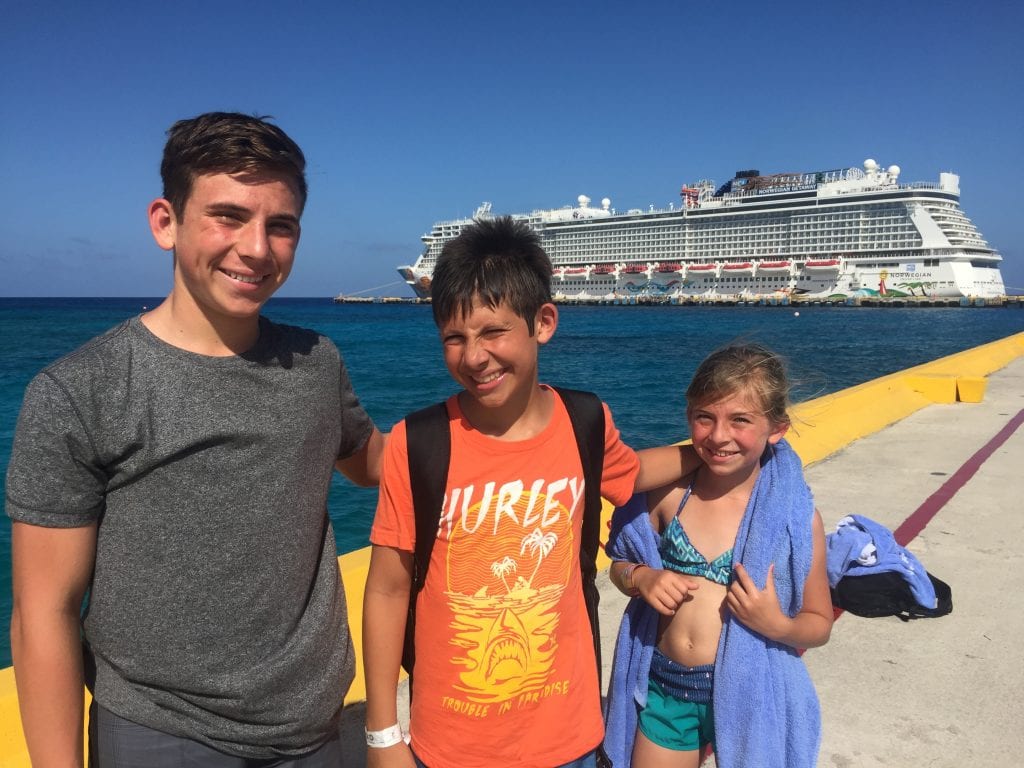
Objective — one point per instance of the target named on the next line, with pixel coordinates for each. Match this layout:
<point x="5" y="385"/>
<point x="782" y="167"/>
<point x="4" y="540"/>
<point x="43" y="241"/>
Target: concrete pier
<point x="942" y="692"/>
<point x="947" y="479"/>
<point x="934" y="454"/>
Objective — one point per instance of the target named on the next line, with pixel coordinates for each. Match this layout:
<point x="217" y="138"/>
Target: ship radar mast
<point x="874" y="172"/>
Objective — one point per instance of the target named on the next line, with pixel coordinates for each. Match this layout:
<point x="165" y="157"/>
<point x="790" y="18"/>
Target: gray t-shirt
<point x="216" y="610"/>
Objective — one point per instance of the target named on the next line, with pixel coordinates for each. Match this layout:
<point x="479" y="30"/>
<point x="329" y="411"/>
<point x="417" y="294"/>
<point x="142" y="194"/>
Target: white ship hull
<point x="828" y="235"/>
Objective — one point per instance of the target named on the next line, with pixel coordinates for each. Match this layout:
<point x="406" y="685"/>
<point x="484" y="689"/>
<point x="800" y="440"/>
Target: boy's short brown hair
<point x="226" y="142"/>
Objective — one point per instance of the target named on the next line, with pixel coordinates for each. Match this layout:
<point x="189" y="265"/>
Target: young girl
<point x="727" y="573"/>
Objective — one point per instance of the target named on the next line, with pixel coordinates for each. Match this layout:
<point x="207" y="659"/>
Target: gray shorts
<point x="118" y="743"/>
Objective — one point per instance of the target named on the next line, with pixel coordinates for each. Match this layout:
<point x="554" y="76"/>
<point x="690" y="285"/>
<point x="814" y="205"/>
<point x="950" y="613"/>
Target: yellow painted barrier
<point x="820" y="428"/>
<point x="970" y="389"/>
<point x="12" y="744"/>
<point x="824" y="425"/>
<point x="354" y="567"/>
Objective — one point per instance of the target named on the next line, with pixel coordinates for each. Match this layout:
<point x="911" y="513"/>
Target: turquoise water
<point x="639" y="359"/>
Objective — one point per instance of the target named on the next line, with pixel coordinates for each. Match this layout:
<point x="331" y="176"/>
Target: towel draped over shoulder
<point x="766" y="709"/>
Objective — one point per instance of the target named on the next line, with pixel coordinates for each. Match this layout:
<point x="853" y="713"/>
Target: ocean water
<point x="638" y="359"/>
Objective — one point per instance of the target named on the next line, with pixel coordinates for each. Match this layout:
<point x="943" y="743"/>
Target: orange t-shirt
<point x="505" y="671"/>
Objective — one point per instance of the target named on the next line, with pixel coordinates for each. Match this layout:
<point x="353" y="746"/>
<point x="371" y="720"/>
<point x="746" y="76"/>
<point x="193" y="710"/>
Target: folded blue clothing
<point x="860" y="547"/>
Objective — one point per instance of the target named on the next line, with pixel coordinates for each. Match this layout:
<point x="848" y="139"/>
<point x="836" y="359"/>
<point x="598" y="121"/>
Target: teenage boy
<point x="505" y="669"/>
<point x="176" y="468"/>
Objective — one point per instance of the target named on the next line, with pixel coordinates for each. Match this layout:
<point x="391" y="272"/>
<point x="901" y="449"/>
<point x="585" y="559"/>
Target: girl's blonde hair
<point x="747" y="368"/>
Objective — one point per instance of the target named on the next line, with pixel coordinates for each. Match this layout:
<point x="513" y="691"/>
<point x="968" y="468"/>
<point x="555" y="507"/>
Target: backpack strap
<point x="429" y="445"/>
<point x="587" y="416"/>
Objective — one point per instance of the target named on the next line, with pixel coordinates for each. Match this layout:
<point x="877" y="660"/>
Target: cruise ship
<point x="828" y="234"/>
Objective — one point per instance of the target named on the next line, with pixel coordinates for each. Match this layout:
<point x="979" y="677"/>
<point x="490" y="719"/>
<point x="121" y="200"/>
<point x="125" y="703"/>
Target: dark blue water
<point x="639" y="359"/>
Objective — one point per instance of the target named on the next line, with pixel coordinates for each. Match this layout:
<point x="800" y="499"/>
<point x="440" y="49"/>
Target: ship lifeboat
<point x="633" y="269"/>
<point x="670" y="267"/>
<point x="571" y="271"/>
<point x="738" y="268"/>
<point x="603" y="269"/>
<point x="775" y="267"/>
<point x="822" y="265"/>
<point x="702" y="270"/>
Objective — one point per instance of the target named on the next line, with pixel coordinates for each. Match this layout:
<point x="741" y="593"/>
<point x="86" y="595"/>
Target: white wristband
<point x="386" y="738"/>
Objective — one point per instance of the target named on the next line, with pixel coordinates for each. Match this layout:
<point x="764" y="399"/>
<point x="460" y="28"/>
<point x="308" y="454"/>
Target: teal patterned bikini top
<point x="679" y="555"/>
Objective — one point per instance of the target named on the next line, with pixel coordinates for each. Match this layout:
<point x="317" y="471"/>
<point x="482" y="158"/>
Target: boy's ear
<point x="545" y="322"/>
<point x="162" y="223"/>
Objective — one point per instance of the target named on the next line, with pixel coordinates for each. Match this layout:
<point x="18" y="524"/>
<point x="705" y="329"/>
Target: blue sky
<point x="410" y="112"/>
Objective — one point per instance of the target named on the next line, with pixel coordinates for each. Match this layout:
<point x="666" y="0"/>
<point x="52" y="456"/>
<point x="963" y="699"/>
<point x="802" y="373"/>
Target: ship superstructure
<point x="826" y="234"/>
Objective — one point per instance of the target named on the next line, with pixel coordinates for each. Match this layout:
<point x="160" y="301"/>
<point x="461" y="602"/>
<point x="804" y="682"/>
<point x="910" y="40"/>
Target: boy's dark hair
<point x="499" y="260"/>
<point x="226" y="142"/>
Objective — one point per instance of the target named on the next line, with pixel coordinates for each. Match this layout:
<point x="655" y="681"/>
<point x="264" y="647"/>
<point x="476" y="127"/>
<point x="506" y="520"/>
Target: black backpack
<point x="429" y="448"/>
<point x="887" y="593"/>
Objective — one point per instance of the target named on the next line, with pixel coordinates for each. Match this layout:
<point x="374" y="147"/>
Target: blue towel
<point x="632" y="539"/>
<point x="861" y="546"/>
<point x="766" y="709"/>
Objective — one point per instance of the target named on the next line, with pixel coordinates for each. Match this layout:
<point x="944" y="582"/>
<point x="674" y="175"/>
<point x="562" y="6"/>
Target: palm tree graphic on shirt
<point x="540" y="545"/>
<point x="501" y="568"/>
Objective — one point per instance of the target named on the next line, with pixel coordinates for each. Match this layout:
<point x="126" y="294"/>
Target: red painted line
<point x="923" y="515"/>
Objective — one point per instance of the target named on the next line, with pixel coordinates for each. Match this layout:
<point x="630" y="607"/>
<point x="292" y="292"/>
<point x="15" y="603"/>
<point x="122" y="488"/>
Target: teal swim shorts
<point x="679" y="725"/>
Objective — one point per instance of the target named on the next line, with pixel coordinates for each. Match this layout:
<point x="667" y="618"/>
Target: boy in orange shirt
<point x="506" y="671"/>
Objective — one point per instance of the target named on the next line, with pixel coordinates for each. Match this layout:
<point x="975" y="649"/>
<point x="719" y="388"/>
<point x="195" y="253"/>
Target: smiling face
<point x="491" y="353"/>
<point x="730" y="434"/>
<point x="233" y="246"/>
